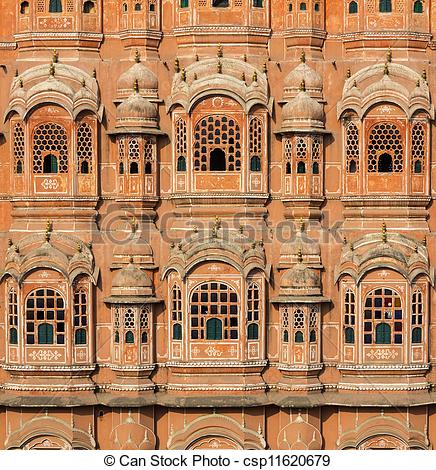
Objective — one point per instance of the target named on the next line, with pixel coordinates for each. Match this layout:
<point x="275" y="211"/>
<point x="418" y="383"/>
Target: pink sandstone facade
<point x="217" y="224"/>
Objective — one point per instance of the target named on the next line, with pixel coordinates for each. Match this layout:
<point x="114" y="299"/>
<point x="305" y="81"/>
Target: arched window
<point x="89" y="7"/>
<point x="214" y="300"/>
<point x="417" y="316"/>
<point x="258" y="3"/>
<point x="288" y="155"/>
<point x="176" y="312"/>
<point x="181" y="164"/>
<point x="80" y="337"/>
<point x="312" y="336"/>
<point x="144" y="323"/>
<point x="253" y="331"/>
<point x="220" y="3"/>
<point x="418" y="7"/>
<point x="303" y="6"/>
<point x="55" y="6"/>
<point x="45" y="317"/>
<point x="19" y="148"/>
<point x="352" y="148"/>
<point x="13" y="315"/>
<point x="184" y="3"/>
<point x="301" y="168"/>
<point x="417" y="167"/>
<point x="383" y="314"/>
<point x="134" y="168"/>
<point x="385" y="6"/>
<point x="315" y="168"/>
<point x="177" y="331"/>
<point x="349" y="315"/>
<point x="152" y="7"/>
<point x="117" y="337"/>
<point x="138" y="6"/>
<point x="288" y="168"/>
<point x="217" y="160"/>
<point x="352" y="167"/>
<point x="144" y="337"/>
<point x="130" y="337"/>
<point x="217" y="141"/>
<point x="255" y="164"/>
<point x="419" y="147"/>
<point x="148" y="167"/>
<point x="299" y="337"/>
<point x="45" y="333"/>
<point x="84" y="148"/>
<point x="50" y="164"/>
<point x="352" y="8"/>
<point x="125" y="7"/>
<point x="214" y="329"/>
<point x="385" y="163"/>
<point x="385" y="149"/>
<point x="416" y="335"/>
<point x="80" y="315"/>
<point x="24" y="8"/>
<point x="349" y="335"/>
<point x="50" y="149"/>
<point x="383" y="334"/>
<point x="286" y="336"/>
<point x="316" y="7"/>
<point x="290" y="8"/>
<point x="121" y="168"/>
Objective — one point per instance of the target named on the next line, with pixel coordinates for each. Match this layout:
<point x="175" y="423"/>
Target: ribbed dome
<point x="300" y="280"/>
<point x="303" y="112"/>
<point x="303" y="73"/>
<point x="131" y="277"/>
<point x="137" y="111"/>
<point x="147" y="80"/>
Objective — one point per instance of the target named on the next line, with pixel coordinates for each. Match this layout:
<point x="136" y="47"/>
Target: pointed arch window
<point x="352" y="8"/>
<point x="385" y="6"/>
<point x="418" y="7"/>
<point x="89" y="7"/>
<point x="55" y="6"/>
<point x="214" y="329"/>
<point x="24" y="8"/>
<point x="385" y="149"/>
<point x="50" y="149"/>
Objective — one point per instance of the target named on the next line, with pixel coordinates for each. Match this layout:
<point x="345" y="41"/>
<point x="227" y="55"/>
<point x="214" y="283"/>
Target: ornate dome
<point x="132" y="281"/>
<point x="300" y="281"/>
<point x="303" y="112"/>
<point x="299" y="435"/>
<point x="147" y="80"/>
<point x="302" y="73"/>
<point x="137" y="111"/>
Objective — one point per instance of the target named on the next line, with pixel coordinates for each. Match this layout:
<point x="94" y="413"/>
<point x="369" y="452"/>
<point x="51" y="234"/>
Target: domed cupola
<point x="300" y="281"/>
<point x="137" y="112"/>
<point x="302" y="113"/>
<point x="303" y="72"/>
<point x="132" y="281"/>
<point x="146" y="79"/>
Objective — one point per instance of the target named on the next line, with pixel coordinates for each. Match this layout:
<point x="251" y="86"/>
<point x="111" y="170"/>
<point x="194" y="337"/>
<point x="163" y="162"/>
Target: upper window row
<point x="385" y="6"/>
<point x="138" y="7"/>
<point x="55" y="6"/>
<point x="223" y="3"/>
<point x="303" y="7"/>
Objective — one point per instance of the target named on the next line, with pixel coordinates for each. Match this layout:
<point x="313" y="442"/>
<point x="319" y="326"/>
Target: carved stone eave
<point x="288" y="299"/>
<point x="132" y="299"/>
<point x="136" y="131"/>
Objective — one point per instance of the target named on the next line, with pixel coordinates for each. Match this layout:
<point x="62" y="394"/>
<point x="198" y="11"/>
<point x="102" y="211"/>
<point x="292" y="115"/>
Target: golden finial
<point x="55" y="57"/>
<point x="344" y="240"/>
<point x="10" y="242"/>
<point x="301" y="225"/>
<point x="16" y="72"/>
<point x="220" y="52"/>
<point x="79" y="247"/>
<point x="424" y="75"/>
<point x="48" y="230"/>
<point x="255" y="77"/>
<point x="245" y="57"/>
<point x="219" y="67"/>
<point x="303" y="57"/>
<point x="94" y="73"/>
<point x="83" y="82"/>
<point x="130" y="259"/>
<point x="20" y="82"/>
<point x="52" y="70"/>
<point x="303" y="85"/>
<point x="418" y="83"/>
<point x="386" y="70"/>
<point x="177" y="65"/>
<point x="351" y="246"/>
<point x="389" y="55"/>
<point x="133" y="224"/>
<point x="195" y="228"/>
<point x="183" y="75"/>
<point x="300" y="256"/>
<point x="355" y="84"/>
<point x="137" y="56"/>
<point x="416" y="248"/>
<point x="348" y="73"/>
<point x="384" y="233"/>
<point x="243" y="77"/>
<point x="197" y="58"/>
<point x="217" y="222"/>
<point x="265" y="68"/>
<point x="136" y="86"/>
<point x="195" y="76"/>
<point x="89" y="245"/>
<point x="424" y="241"/>
<point x="241" y="229"/>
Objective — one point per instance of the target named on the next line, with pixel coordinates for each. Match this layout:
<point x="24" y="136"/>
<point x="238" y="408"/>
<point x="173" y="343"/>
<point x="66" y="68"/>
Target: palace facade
<point x="217" y="224"/>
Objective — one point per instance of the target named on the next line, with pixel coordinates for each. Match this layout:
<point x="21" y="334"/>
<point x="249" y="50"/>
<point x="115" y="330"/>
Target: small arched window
<point x="417" y="167"/>
<point x="385" y="163"/>
<point x="121" y="168"/>
<point x="50" y="165"/>
<point x="24" y="8"/>
<point x="383" y="334"/>
<point x="80" y="337"/>
<point x="385" y="6"/>
<point x="303" y="6"/>
<point x="144" y="337"/>
<point x="288" y="168"/>
<point x="138" y="6"/>
<point x="13" y="336"/>
<point x="217" y="160"/>
<point x="84" y="168"/>
<point x="258" y="3"/>
<point x="286" y="336"/>
<point x="184" y="3"/>
<point x="290" y="8"/>
<point x="55" y="6"/>
<point x="317" y="7"/>
<point x="134" y="168"/>
<point x="148" y="168"/>
<point x="117" y="337"/>
<point x="253" y="332"/>
<point x="89" y="7"/>
<point x="418" y="7"/>
<point x="353" y="8"/>
<point x="315" y="168"/>
<point x="177" y="331"/>
<point x="301" y="168"/>
<point x="220" y="3"/>
<point x="214" y="329"/>
<point x="125" y="7"/>
<point x="349" y="335"/>
<point x="130" y="337"/>
<point x="312" y="336"/>
<point x="45" y="333"/>
<point x="417" y="335"/>
<point x="352" y="166"/>
<point x="181" y="164"/>
<point x="255" y="164"/>
<point x="299" y="337"/>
